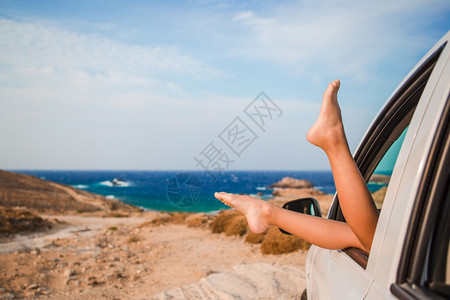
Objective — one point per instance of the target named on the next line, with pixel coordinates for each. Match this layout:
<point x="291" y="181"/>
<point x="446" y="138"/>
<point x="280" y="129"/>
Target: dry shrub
<point x="255" y="238"/>
<point x="117" y="214"/>
<point x="163" y="220"/>
<point x="177" y="217"/>
<point x="133" y="239"/>
<point x="145" y="224"/>
<point x="229" y="221"/>
<point x="169" y="218"/>
<point x="236" y="226"/>
<point x="220" y="222"/>
<point x="115" y="204"/>
<point x="277" y="243"/>
<point x="197" y="220"/>
<point x="13" y="221"/>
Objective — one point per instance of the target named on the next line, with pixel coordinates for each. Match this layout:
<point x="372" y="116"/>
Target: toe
<point x="224" y="197"/>
<point x="334" y="86"/>
<point x="337" y="84"/>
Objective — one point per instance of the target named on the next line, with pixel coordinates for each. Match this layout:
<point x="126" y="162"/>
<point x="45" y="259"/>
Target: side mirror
<point x="309" y="206"/>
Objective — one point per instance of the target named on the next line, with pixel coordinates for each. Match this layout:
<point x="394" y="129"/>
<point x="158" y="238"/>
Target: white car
<point x="407" y="147"/>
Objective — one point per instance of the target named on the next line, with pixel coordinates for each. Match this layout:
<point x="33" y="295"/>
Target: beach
<point x="118" y="258"/>
<point x="59" y="242"/>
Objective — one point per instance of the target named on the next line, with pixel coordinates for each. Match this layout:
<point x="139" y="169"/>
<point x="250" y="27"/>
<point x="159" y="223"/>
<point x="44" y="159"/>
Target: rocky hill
<point x="20" y="190"/>
<point x="23" y="198"/>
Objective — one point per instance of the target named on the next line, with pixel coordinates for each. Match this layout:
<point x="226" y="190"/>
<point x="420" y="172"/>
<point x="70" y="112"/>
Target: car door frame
<point x="415" y="170"/>
<point x="352" y="269"/>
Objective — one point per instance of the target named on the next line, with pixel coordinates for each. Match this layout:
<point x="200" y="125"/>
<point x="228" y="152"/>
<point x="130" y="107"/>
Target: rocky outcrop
<point x="300" y="193"/>
<point x="245" y="281"/>
<point x="289" y="182"/>
<point x="294" y="188"/>
<point x="380" y="178"/>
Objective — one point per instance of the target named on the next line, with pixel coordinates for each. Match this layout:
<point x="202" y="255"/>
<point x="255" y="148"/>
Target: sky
<point x="176" y="85"/>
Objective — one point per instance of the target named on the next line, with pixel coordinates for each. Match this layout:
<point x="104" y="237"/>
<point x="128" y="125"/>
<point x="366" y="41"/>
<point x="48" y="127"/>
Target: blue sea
<point x="180" y="190"/>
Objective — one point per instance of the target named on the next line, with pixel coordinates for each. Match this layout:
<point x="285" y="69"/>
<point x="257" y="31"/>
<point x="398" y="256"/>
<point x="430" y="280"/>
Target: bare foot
<point x="255" y="210"/>
<point x="328" y="130"/>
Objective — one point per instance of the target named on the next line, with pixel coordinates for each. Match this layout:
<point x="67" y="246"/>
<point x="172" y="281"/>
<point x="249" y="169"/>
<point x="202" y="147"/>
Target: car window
<point x="437" y="277"/>
<point x="379" y="181"/>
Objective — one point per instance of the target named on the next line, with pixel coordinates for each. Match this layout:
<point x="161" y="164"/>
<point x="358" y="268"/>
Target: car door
<point x="414" y="256"/>
<point x="349" y="273"/>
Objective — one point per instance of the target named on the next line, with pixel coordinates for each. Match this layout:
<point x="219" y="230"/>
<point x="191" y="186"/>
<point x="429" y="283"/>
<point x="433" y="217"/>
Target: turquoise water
<point x="180" y="190"/>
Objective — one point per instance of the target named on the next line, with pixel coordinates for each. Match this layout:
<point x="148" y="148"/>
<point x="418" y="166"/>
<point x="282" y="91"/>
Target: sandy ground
<point x="118" y="258"/>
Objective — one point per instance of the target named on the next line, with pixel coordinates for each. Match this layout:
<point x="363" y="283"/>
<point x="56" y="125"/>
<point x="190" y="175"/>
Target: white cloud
<point x="72" y="96"/>
<point x="47" y="48"/>
<point x="345" y="37"/>
<point x="244" y="16"/>
<point x="82" y="100"/>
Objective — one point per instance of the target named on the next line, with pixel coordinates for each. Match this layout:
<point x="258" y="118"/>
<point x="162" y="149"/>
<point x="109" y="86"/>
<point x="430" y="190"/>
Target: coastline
<point x="149" y="189"/>
<point x="116" y="251"/>
<point x="91" y="257"/>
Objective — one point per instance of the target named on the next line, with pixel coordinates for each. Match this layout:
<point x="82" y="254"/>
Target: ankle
<point x="336" y="147"/>
<point x="269" y="212"/>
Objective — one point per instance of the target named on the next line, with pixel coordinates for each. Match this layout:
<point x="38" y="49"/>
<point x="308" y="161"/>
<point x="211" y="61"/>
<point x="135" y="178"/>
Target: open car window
<point x="379" y="181"/>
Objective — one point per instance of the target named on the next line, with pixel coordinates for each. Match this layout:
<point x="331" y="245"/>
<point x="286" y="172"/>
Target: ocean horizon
<point x="183" y="190"/>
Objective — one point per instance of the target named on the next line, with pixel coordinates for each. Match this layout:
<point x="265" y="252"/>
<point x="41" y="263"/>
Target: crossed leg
<point x="355" y="200"/>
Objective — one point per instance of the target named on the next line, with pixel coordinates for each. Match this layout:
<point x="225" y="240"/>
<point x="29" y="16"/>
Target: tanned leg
<point x="322" y="232"/>
<point x="355" y="200"/>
